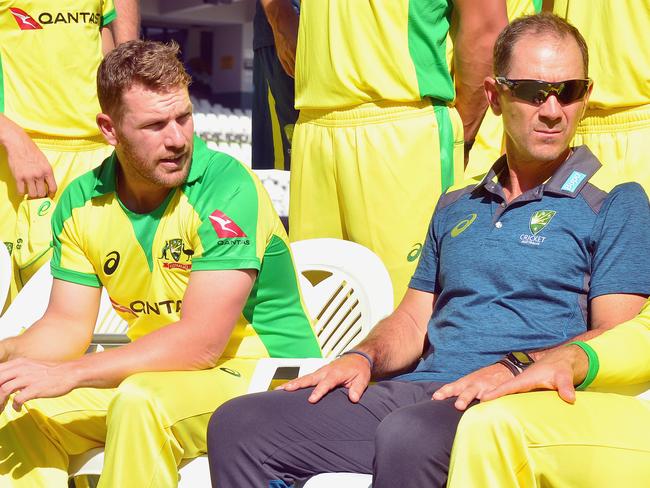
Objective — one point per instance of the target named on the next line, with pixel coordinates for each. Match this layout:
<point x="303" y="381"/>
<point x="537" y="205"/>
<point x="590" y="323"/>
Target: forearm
<point x="9" y="131"/>
<point x="394" y="344"/>
<point x="585" y="336"/>
<point x="473" y="46"/>
<point x="126" y="26"/>
<point x="171" y="348"/>
<point x="48" y="340"/>
<point x="276" y="10"/>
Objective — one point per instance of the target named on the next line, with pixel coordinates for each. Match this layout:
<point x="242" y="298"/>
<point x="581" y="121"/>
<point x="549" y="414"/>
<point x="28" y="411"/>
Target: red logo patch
<point x="24" y="20"/>
<point x="224" y="225"/>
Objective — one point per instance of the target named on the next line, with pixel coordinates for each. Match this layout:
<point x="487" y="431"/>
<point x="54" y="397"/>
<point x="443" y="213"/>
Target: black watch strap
<point x="516" y="361"/>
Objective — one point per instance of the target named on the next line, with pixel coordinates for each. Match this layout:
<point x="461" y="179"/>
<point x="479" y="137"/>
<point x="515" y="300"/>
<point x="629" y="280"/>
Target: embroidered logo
<point x="538" y="221"/>
<point x="463" y="225"/>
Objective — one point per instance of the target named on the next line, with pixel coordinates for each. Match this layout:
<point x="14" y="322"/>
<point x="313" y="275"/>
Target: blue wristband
<point x="360" y="353"/>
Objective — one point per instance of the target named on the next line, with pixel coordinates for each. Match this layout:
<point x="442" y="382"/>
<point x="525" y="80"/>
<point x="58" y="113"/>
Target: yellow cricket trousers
<point x="148" y="425"/>
<point x="621" y="140"/>
<point x="373" y="174"/>
<point x="538" y="440"/>
<point x="25" y="224"/>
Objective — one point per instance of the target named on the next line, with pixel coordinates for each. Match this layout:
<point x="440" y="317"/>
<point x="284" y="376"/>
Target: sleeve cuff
<point x="108" y="18"/>
<point x="216" y="264"/>
<point x="76" y="277"/>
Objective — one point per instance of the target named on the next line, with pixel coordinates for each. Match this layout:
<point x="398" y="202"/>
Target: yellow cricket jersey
<point x="357" y="51"/>
<point x="221" y="218"/>
<point x="49" y="54"/>
<point x="616" y="32"/>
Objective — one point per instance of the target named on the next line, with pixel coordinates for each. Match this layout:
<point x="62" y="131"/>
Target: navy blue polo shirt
<point x="519" y="276"/>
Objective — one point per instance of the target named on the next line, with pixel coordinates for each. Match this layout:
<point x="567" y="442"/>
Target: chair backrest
<point x="30" y="305"/>
<point x="346" y="288"/>
<point x="6" y="271"/>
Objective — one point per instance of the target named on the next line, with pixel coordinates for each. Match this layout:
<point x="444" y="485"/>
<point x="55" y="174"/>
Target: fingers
<point x="357" y="388"/>
<point x="24" y="395"/>
<point x="565" y="389"/>
<point x="446" y="391"/>
<point x="467" y="396"/>
<point x="322" y="389"/>
<point x="302" y="382"/>
<point x="51" y="184"/>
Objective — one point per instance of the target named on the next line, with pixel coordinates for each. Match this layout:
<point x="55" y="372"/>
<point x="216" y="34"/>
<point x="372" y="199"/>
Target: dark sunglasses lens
<point x="573" y="90"/>
<point x="537" y="92"/>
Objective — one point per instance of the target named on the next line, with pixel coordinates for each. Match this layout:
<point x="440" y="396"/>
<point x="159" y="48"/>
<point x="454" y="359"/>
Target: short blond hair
<point x="151" y="64"/>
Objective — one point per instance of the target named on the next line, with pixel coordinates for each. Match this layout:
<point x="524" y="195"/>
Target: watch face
<point x="522" y="357"/>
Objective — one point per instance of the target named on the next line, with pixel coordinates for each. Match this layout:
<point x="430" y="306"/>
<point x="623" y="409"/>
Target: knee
<point x="488" y="421"/>
<point x="237" y="424"/>
<point x="400" y="433"/>
<point x="134" y="397"/>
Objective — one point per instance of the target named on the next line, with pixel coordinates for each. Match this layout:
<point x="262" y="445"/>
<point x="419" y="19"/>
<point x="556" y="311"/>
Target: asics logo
<point x="462" y="225"/>
<point x="24" y="20"/>
<point x="224" y="226"/>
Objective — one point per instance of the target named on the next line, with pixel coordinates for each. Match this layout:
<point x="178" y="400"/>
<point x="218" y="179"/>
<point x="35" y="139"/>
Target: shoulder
<point x="457" y="191"/>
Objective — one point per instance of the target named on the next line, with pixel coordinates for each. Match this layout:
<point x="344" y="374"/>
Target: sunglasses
<point x="537" y="91"/>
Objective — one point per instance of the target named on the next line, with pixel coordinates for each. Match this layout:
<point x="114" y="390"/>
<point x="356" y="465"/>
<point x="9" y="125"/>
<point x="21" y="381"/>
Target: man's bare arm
<point x="65" y="330"/>
<point x="284" y="22"/>
<point x="393" y="345"/>
<point x="478" y="28"/>
<point x="125" y="27"/>
<point x="31" y="170"/>
<point x="211" y="306"/>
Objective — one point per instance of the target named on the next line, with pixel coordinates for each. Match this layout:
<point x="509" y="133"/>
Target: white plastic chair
<point x="350" y="294"/>
<point x="6" y="272"/>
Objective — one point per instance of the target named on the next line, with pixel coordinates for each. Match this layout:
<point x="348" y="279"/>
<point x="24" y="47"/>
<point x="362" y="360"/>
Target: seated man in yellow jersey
<point x="49" y="53"/>
<point x="587" y="439"/>
<point x="194" y="258"/>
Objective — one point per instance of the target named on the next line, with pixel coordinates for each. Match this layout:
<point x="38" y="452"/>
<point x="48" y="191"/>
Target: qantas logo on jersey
<point x="142" y="307"/>
<point x="27" y="22"/>
<point x="24" y="20"/>
<point x="224" y="226"/>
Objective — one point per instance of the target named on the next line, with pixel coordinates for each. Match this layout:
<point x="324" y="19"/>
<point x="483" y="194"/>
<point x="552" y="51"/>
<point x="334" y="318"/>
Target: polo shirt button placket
<point x="498" y="225"/>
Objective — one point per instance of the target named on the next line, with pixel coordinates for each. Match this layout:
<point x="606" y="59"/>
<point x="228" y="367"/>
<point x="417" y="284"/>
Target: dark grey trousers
<point x="396" y="432"/>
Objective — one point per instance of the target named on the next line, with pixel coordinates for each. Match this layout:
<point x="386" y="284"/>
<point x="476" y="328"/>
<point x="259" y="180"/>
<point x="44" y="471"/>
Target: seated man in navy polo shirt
<point x="526" y="258"/>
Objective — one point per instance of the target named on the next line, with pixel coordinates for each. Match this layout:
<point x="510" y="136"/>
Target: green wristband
<point x="594" y="364"/>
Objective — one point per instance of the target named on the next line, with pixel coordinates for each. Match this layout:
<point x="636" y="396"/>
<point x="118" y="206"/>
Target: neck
<point x="138" y="194"/>
<point x="523" y="175"/>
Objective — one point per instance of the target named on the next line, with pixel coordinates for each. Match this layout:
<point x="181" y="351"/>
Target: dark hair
<point x="153" y="65"/>
<point x="539" y="24"/>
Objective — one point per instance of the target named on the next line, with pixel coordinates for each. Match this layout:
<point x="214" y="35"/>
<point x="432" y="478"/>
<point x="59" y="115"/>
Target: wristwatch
<point x="516" y="361"/>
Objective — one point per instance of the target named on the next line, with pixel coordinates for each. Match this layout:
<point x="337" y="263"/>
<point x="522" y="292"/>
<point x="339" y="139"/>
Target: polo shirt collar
<point x="568" y="180"/>
<point x="106" y="173"/>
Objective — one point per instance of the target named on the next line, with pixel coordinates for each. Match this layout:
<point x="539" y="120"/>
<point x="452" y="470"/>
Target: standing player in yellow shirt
<point x="377" y="140"/>
<point x="49" y="54"/>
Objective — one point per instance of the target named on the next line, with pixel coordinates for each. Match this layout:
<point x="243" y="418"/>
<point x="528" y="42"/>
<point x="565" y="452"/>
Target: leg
<point x="536" y="439"/>
<point x="391" y="173"/>
<point x="36" y="442"/>
<point x="314" y="202"/>
<point x="280" y="436"/>
<point x="158" y="419"/>
<point x="413" y="445"/>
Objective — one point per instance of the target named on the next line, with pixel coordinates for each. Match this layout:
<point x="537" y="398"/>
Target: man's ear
<point x="107" y="128"/>
<point x="492" y="94"/>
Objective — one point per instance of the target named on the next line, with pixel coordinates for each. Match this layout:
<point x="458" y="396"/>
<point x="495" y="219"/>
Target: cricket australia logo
<point x="176" y="250"/>
<point x="538" y="221"/>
